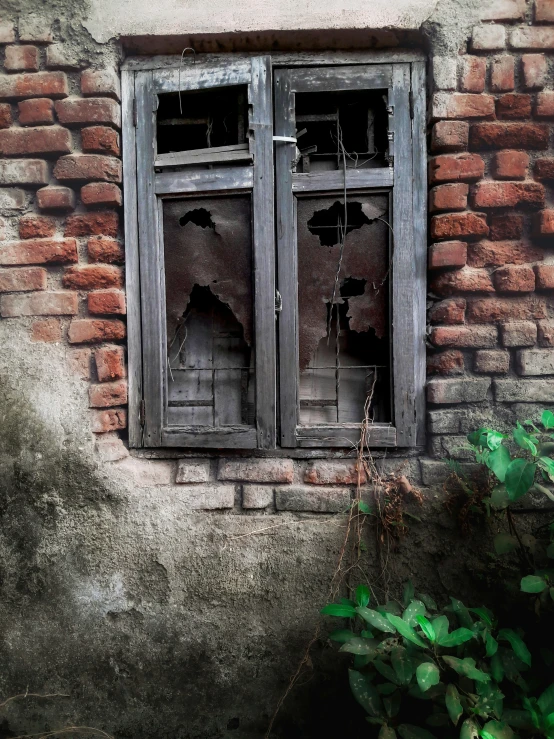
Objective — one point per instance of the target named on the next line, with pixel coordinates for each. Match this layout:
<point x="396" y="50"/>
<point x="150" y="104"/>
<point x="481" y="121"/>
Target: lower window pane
<point x="344" y="352"/>
<point x="208" y="274"/>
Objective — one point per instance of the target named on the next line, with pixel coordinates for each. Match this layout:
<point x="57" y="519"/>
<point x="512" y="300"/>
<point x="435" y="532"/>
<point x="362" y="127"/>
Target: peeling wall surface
<point x="172" y="597"/>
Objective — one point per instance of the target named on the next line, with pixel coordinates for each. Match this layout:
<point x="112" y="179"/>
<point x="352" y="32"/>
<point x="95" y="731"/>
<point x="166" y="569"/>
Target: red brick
<point x="21" y="59"/>
<point x="110" y="363"/>
<point x="93" y="277"/>
<point x="95" y="331"/>
<point x="113" y="419"/>
<point x="546" y="333"/>
<point x="532" y="38"/>
<point x="256" y="470"/>
<point x="502" y="10"/>
<point x="7" y="32"/>
<point x="25" y="141"/>
<point x="489" y="310"/>
<point x="40" y="304"/>
<point x="100" y="82"/>
<point x="513" y="105"/>
<point x="485" y="136"/>
<point x="39" y="85"/>
<point x="508" y="194"/>
<point x="23" y="172"/>
<point x="474" y="70"/>
<point x="497" y="253"/>
<point x="462" y="105"/>
<point x="323" y="472"/>
<point x="454" y="225"/>
<point x="463" y="390"/>
<point x="39" y="251"/>
<point x="502" y="73"/>
<point x="506" y="226"/>
<point x="18" y="280"/>
<point x="49" y="330"/>
<point x="79" y="362"/>
<point x="510" y="165"/>
<point x="493" y="362"/>
<point x="545" y="105"/>
<point x="104" y="194"/>
<point x="544" y="11"/>
<point x="37" y="112"/>
<point x="450" y="136"/>
<point x="448" y="197"/>
<point x="450" y="311"/>
<point x="544" y="223"/>
<point x="456" y="167"/>
<point x="545" y="276"/>
<point x="56" y="198"/>
<point x="488" y="38"/>
<point x="107" y="302"/>
<point x="535" y="71"/>
<point x="34" y="28"/>
<point x="465" y="280"/>
<point x="78" y="112"/>
<point x="448" y="254"/>
<point x="36" y="227"/>
<point x="464" y="337"/>
<point x="92" y="224"/>
<point x="544" y="169"/>
<point x="100" y="140"/>
<point x="107" y="394"/>
<point x="514" y="279"/>
<point x="105" y="250"/>
<point x="88" y="167"/>
<point x="450" y="362"/>
<point x="519" y="333"/>
<point x="5" y="115"/>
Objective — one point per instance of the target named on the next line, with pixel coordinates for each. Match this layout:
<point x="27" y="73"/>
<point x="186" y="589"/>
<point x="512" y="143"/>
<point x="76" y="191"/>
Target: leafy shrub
<point x="450" y="669"/>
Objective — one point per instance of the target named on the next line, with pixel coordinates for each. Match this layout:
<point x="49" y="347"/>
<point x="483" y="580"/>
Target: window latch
<point x="278" y="302"/>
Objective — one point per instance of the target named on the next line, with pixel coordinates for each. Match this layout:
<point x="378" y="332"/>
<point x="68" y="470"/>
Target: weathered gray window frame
<point x="405" y="76"/>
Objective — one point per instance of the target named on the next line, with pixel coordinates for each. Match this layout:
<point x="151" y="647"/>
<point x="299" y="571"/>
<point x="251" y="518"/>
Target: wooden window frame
<point x="406" y="182"/>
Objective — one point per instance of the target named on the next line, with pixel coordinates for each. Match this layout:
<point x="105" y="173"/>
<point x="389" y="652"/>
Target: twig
<point x="66" y="730"/>
<point x="33" y="695"/>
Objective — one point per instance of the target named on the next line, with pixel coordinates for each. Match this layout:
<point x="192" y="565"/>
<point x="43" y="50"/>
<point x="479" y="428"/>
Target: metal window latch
<point x="278" y="302"/>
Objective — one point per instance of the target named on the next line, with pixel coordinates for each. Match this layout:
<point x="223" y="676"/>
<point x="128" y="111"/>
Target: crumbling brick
<point x="470" y="337"/>
<point x="94" y="330"/>
<point x="100" y="82"/>
<point x="107" y="394"/>
<point x="105" y="250"/>
<point x="466" y="280"/>
<point x="56" y="198"/>
<point x="101" y="194"/>
<point x="514" y="279"/>
<point x="21" y="59"/>
<point x="16" y="280"/>
<point x="492" y="361"/>
<point x="38" y="85"/>
<point x="466" y="390"/>
<point x="450" y="136"/>
<point x="40" y="304"/>
<point x="450" y="311"/>
<point x="447" y="254"/>
<point x="93" y="277"/>
<point x="106" y="302"/>
<point x="326" y="472"/>
<point x="510" y="165"/>
<point x="48" y="330"/>
<point x="36" y="227"/>
<point x="535" y="71"/>
<point x="456" y="225"/>
<point x="39" y="251"/>
<point x="518" y="333"/>
<point x="456" y="167"/>
<point x="104" y="223"/>
<point x="496" y="135"/>
<point x="89" y="111"/>
<point x="110" y="363"/>
<point x="450" y="362"/>
<point x="256" y="470"/>
<point x="36" y="112"/>
<point x="502" y="73"/>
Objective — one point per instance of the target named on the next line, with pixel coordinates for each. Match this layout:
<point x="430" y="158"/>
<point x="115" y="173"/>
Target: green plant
<point x="452" y="670"/>
<point x="520" y="463"/>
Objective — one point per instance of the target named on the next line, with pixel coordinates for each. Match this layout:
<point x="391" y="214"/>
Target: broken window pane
<point x="334" y="126"/>
<point x="208" y="279"/>
<point x="344" y="354"/>
<point x="201" y="119"/>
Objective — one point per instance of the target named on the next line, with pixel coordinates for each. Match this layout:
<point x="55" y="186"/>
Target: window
<point x="275" y="229"/>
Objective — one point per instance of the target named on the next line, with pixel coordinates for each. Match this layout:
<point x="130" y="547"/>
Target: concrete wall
<point x="156" y="606"/>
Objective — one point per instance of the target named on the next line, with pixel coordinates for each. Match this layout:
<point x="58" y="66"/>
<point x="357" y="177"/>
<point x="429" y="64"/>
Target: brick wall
<point x="491" y="260"/>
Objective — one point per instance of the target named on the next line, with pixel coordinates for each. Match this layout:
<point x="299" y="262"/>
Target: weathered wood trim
<point x="202" y="74"/>
<point x="345" y="435"/>
<point x="323" y="79"/>
<point x="132" y="263"/>
<point x="204" y="180"/>
<point x="355" y="179"/>
<point x="215" y="155"/>
<point x="231" y="437"/>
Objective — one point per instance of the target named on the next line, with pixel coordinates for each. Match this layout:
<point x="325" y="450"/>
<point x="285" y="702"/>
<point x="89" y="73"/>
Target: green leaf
<point x="550" y="550"/>
<point x="497" y="668"/>
<point x="491" y="645"/>
<point x="402" y="664"/>
<point x="533" y="584"/>
<point x="469" y="730"/>
<point x="427" y="628"/>
<point x="467" y="668"/>
<point x="519" y="478"/>
<point x="505" y="543"/>
<point x="362" y="595"/>
<point x="457" y="637"/>
<point x="405" y="630"/>
<point x="386" y="688"/>
<point x="407" y="731"/>
<point x="547" y="420"/>
<point x="416" y="608"/>
<point x="385" y="670"/>
<point x="498" y="730"/>
<point x="357" y="645"/>
<point x="546" y="700"/>
<point x="387" y="733"/>
<point x="364" y="508"/>
<point x="429" y="602"/>
<point x="484" y="614"/>
<point x="440" y="626"/>
<point x="499" y="461"/>
<point x="518" y="645"/>
<point x="392" y="704"/>
<point x="336" y="609"/>
<point x="524" y="439"/>
<point x="494" y="440"/>
<point x="341" y="635"/>
<point x="427" y="675"/>
<point x="375" y="619"/>
<point x="453" y="705"/>
<point x="519" y="719"/>
<point x="365" y="693"/>
<point x="485" y="734"/>
<point x="478" y="437"/>
<point x="500" y="498"/>
<point x="408" y="594"/>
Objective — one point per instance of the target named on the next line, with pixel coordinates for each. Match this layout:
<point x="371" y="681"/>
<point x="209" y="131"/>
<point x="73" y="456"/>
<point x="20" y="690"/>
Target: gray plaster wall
<point x="151" y="619"/>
